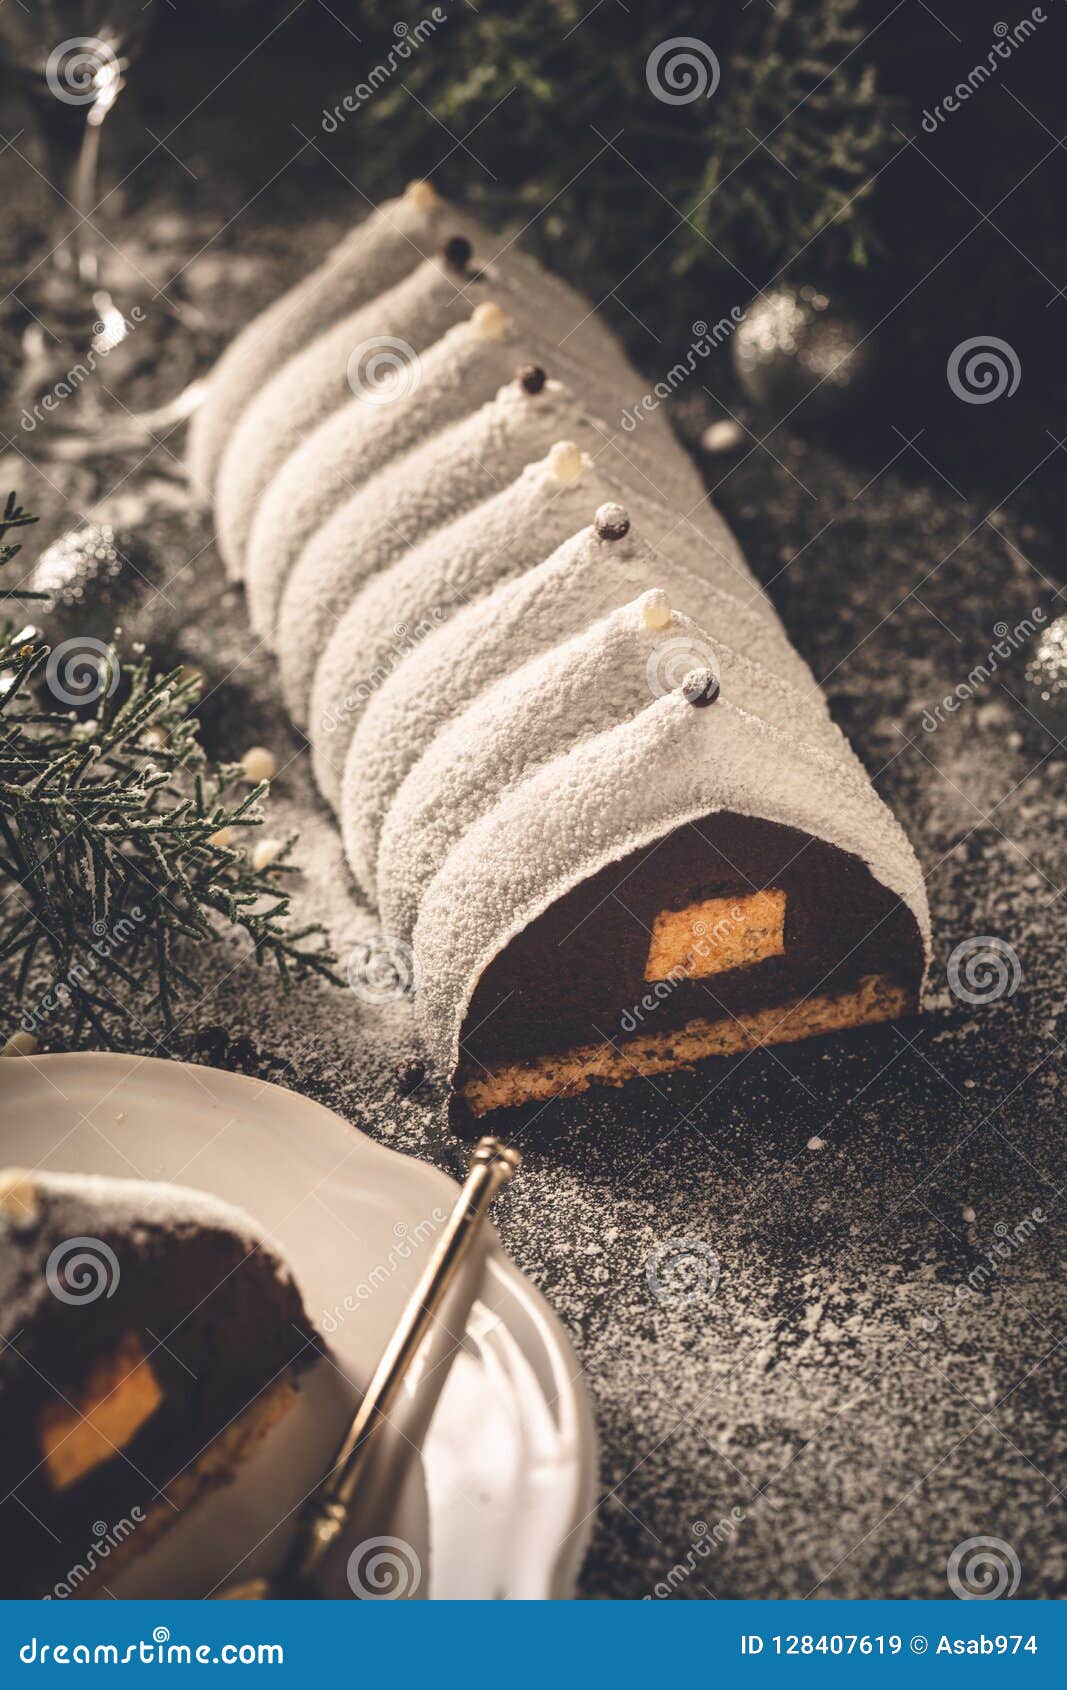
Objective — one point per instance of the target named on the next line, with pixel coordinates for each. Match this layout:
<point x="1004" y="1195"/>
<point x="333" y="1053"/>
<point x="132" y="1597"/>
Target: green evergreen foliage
<point x="619" y="189"/>
<point x="112" y="868"/>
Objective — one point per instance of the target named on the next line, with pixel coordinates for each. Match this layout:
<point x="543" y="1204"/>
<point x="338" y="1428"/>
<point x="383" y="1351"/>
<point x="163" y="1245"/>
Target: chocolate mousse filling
<point x="728" y="933"/>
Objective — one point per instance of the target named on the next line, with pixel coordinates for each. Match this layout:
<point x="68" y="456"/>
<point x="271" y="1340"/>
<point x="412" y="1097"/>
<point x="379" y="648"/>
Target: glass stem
<point x="72" y="149"/>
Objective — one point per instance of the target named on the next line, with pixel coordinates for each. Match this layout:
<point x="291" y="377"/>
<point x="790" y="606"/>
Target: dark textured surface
<point x="839" y="1402"/>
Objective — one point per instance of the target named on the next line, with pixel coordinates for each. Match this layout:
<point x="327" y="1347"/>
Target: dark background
<point x="962" y="234"/>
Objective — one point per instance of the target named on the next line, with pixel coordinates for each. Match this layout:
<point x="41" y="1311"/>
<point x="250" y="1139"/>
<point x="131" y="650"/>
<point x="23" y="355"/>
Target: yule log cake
<point x="595" y="795"/>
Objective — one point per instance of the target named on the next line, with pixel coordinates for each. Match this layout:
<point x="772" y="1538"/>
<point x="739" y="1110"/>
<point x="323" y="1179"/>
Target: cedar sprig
<point x="629" y="196"/>
<point x="13" y="517"/>
<point x="119" y="852"/>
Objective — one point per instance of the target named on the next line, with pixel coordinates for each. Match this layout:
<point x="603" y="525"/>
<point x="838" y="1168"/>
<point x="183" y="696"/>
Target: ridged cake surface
<point x="525" y="648"/>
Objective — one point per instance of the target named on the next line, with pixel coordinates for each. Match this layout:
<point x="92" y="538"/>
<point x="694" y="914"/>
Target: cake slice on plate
<point x="151" y="1338"/>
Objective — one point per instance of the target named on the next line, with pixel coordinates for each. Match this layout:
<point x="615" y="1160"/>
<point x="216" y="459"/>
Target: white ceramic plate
<point x="487" y="1473"/>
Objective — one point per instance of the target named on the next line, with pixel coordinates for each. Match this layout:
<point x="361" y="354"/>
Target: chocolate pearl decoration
<point x="457" y="251"/>
<point x="700" y="688"/>
<point x="611" y="522"/>
<point x="531" y="378"/>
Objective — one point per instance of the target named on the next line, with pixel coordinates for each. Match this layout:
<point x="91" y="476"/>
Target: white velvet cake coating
<point x="613" y="794"/>
<point x="456" y="564"/>
<point x="414" y="314"/>
<point x="378" y="253"/>
<point x="128" y="1203"/>
<point x="308" y="388"/>
<point x="599" y="677"/>
<point x="521" y="619"/>
<point x="406" y="590"/>
<point x="414" y="495"/>
<point x="518" y="621"/>
<point x="461" y="371"/>
<point x="339" y="454"/>
<point x="357" y="651"/>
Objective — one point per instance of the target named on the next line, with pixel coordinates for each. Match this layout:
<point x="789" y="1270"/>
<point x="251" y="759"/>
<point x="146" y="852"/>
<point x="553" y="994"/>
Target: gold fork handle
<point x="492" y="1164"/>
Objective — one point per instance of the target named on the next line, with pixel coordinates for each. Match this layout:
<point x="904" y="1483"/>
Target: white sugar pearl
<point x="18" y="1199"/>
<point x="422" y="195"/>
<point x="259" y="764"/>
<point x="489" y="320"/>
<point x="565" y="461"/>
<point x="655" y="608"/>
<point x="722" y="436"/>
<point x="265" y="851"/>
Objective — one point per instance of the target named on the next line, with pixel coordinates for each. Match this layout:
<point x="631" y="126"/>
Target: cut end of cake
<point x="724" y="935"/>
<point x="120" y="1394"/>
<point x="715" y="935"/>
<point x="568" y="1073"/>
